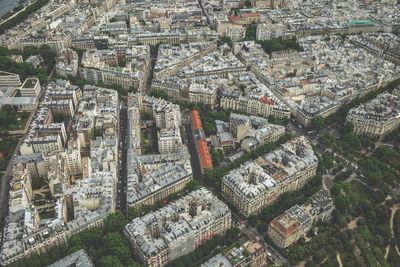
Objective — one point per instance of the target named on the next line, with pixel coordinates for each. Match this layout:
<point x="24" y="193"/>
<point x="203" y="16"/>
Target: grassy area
<point x="46" y="214"/>
<point x="20" y="122"/>
<point x="356" y="191"/>
<point x="12" y="119"/>
<point x="149" y="140"/>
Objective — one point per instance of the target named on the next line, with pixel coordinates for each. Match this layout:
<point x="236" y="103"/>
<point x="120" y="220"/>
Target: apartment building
<point x="377" y="117"/>
<point x="88" y="199"/>
<point x="255" y="105"/>
<point x="204" y="93"/>
<point x="235" y="32"/>
<point x="173" y="90"/>
<point x="297" y="221"/>
<point x="153" y="177"/>
<point x="268" y="30"/>
<point x="259" y="183"/>
<point x="246" y="18"/>
<point x="178" y="228"/>
<point x="169" y="140"/>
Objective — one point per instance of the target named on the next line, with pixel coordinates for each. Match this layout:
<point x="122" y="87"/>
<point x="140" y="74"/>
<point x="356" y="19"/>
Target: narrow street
<point x="121" y="188"/>
<point x="4" y="186"/>
<point x="194" y="157"/>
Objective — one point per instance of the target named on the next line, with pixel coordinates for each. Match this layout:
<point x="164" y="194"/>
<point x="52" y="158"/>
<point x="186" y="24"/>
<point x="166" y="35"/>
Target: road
<point x="4" y="190"/>
<point x="15" y="14"/>
<point x="194" y="157"/>
<point x="274" y="255"/>
<point x="4" y="186"/>
<point x="123" y="146"/>
<point x="5" y="179"/>
<point x="209" y="19"/>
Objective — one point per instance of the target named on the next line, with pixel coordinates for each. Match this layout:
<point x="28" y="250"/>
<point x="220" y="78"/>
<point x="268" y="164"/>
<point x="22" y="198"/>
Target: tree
<point x="115" y="222"/>
<point x="116" y="245"/>
<point x="250" y="34"/>
<point x="22" y="15"/>
<point x="60" y="118"/>
<point x="225" y="40"/>
<point x="347" y="128"/>
<point x="110" y="261"/>
<point x="317" y="123"/>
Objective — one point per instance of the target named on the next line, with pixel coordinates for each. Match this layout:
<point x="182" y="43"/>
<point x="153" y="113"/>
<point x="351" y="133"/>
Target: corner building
<point x="178" y="228"/>
<point x="255" y="185"/>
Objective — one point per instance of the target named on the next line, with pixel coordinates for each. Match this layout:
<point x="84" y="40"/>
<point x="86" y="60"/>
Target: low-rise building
<point x="250" y="254"/>
<point x="30" y="88"/>
<point x="8" y="79"/>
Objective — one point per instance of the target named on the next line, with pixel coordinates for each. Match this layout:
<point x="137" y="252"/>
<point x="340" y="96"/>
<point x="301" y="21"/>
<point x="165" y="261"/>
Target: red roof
<point x="196" y="121"/>
<point x="266" y="100"/>
<point x="251" y="14"/>
<point x="205" y="158"/>
<point x="285" y="230"/>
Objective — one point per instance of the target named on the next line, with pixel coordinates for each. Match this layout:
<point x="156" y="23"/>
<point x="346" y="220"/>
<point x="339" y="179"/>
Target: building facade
<point x="257" y="184"/>
<point x="178" y="228"/>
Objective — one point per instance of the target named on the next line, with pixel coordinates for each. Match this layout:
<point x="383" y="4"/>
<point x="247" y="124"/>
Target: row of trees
<point x="22" y="15"/>
<point x="7" y="145"/>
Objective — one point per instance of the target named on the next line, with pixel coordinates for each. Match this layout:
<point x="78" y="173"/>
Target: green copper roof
<point x="360" y="22"/>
